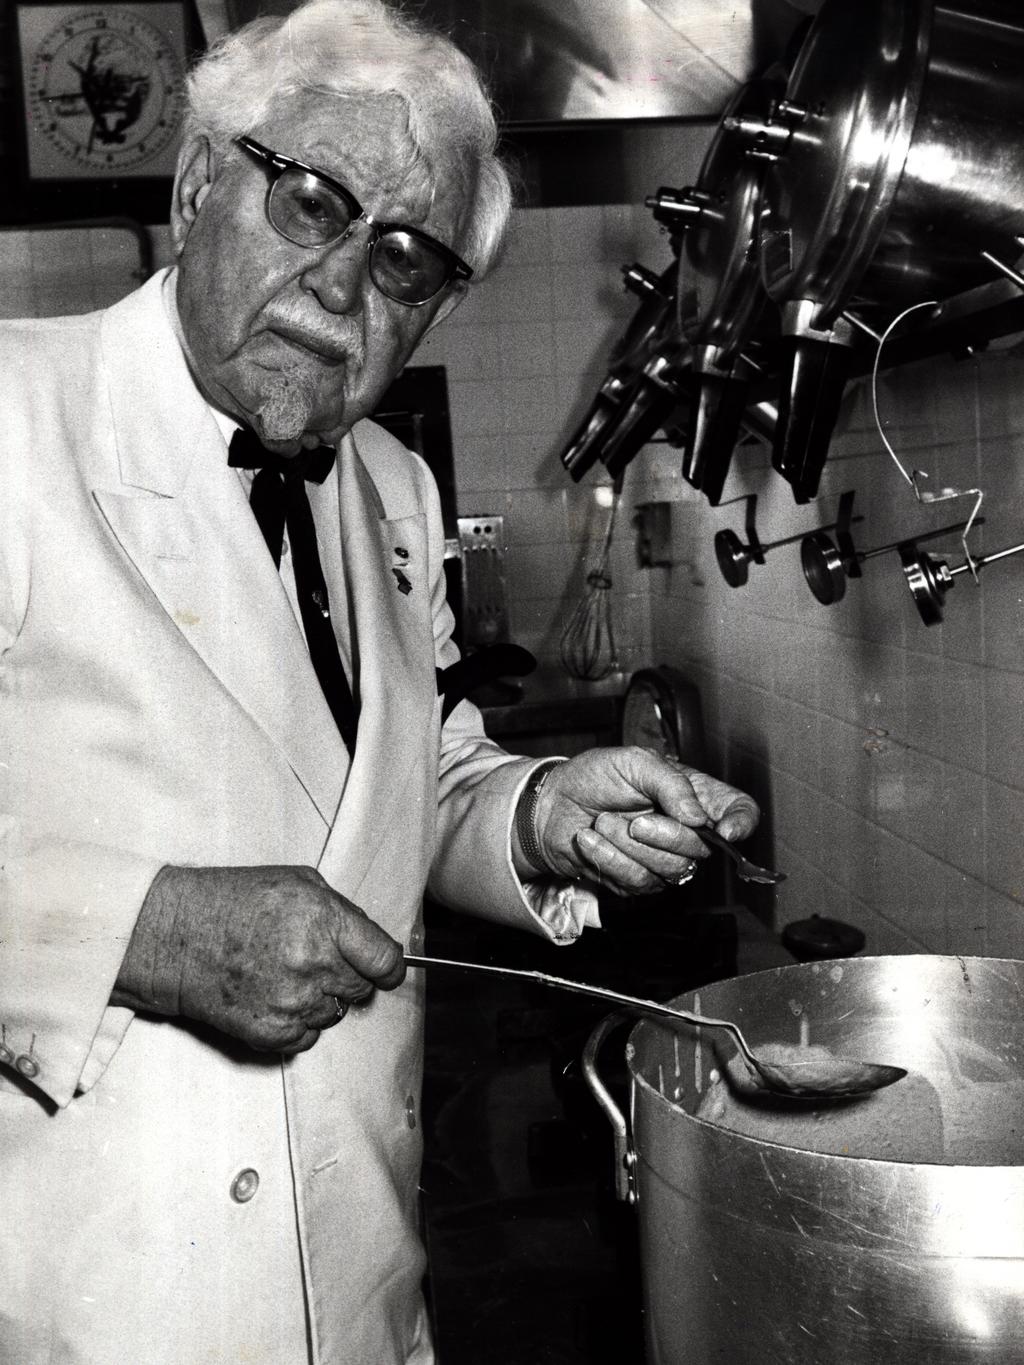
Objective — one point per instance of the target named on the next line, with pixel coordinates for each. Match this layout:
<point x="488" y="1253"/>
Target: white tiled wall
<point x="889" y="756"/>
<point x="66" y="270"/>
<point x="525" y="354"/>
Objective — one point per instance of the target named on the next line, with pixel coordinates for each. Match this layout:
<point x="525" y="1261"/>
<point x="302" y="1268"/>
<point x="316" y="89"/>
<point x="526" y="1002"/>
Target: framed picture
<point x="101" y="105"/>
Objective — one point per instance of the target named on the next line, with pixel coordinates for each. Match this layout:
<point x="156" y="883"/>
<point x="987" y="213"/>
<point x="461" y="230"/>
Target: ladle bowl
<point x="823" y="1075"/>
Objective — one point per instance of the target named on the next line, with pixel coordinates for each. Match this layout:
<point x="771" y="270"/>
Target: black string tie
<point x="279" y="502"/>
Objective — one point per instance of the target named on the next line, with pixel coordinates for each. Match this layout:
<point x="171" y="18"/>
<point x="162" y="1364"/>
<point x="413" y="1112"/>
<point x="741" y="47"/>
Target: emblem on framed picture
<point x="102" y="93"/>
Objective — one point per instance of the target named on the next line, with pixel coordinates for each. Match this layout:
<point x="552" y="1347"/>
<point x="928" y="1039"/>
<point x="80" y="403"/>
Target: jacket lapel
<point x="182" y="518"/>
<point x="393" y="661"/>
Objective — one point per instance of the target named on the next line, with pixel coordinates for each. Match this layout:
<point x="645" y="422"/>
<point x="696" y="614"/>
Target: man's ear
<point x="456" y="293"/>
<point x="192" y="182"/>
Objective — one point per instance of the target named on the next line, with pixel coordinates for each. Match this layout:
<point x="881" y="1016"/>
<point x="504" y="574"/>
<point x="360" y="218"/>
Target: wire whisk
<point x="588" y="641"/>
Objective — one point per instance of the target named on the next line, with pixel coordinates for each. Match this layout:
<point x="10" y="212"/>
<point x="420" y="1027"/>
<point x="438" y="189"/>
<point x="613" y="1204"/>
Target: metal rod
<point x="802" y="535"/>
<point x="1004" y="269"/>
<point x="919" y="539"/>
<point x="861" y="326"/>
<point x="987" y="559"/>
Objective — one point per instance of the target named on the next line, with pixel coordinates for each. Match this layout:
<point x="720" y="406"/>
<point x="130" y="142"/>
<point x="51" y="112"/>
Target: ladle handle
<point x="562" y="983"/>
<point x="542" y="979"/>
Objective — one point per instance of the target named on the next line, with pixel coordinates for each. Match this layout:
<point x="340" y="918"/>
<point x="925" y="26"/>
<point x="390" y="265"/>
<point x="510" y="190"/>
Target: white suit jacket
<point x="157" y="705"/>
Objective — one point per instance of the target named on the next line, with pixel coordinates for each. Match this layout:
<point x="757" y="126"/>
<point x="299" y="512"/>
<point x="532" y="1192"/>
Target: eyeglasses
<point x="312" y="210"/>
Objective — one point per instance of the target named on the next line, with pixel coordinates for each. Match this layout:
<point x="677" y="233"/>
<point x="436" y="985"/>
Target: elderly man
<point x="225" y="778"/>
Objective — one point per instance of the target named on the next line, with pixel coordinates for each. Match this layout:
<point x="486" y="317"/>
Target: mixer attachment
<point x="930" y="579"/>
<point x="734" y="558"/>
<point x="827" y="566"/>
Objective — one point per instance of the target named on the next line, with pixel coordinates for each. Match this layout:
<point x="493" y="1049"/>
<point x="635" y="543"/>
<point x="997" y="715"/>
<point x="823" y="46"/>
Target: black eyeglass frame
<point x="276" y="163"/>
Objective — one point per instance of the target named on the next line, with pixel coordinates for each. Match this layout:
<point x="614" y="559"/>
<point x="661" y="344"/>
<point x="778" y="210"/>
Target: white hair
<point x="353" y="48"/>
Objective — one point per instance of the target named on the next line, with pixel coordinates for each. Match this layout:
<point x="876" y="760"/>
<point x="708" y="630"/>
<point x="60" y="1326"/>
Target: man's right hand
<point x="260" y="953"/>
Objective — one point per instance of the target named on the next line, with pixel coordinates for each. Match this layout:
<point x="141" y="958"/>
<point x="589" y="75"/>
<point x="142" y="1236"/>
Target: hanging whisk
<point x="588" y="641"/>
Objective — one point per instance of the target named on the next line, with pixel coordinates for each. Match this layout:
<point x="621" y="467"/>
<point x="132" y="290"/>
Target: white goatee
<point x="287" y="410"/>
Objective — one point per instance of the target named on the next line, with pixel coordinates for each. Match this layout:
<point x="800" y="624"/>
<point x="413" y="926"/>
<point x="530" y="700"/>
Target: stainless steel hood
<point x="585" y="60"/>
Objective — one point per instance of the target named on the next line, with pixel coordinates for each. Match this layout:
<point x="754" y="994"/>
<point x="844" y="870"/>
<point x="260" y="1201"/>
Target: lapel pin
<point x="398" y="567"/>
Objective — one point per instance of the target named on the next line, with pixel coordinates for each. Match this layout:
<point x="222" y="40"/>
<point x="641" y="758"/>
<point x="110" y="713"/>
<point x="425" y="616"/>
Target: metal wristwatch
<point x="526" y="814"/>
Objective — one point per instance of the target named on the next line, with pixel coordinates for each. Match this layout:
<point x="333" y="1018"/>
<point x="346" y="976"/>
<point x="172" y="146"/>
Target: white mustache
<point x="342" y="340"/>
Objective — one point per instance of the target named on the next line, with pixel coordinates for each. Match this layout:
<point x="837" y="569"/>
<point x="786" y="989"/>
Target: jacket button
<point x="6" y="1055"/>
<point x="410" y="1111"/>
<point x="28" y="1067"/>
<point x="245" y="1185"/>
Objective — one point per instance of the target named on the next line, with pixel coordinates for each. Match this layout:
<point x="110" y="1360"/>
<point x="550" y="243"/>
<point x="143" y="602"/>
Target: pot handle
<point x="625" y="1155"/>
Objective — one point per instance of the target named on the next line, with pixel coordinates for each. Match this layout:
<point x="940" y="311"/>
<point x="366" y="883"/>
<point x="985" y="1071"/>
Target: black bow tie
<point x="278" y="500"/>
<point x="247" y="452"/>
<point x="278" y="485"/>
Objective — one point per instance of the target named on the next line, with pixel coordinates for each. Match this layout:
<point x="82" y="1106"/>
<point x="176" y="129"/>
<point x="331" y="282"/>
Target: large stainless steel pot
<point x="755" y="1251"/>
<point x="898" y="158"/>
<point x="896" y="175"/>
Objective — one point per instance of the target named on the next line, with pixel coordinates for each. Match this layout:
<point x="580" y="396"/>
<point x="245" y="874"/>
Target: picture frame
<point x="100" y="95"/>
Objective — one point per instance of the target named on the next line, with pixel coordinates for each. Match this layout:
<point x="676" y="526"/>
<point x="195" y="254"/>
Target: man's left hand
<point x="625" y="818"/>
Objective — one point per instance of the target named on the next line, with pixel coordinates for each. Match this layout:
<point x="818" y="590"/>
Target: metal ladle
<point x="820" y="1077"/>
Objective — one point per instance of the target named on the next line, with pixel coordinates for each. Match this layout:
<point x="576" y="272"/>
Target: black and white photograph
<point x="511" y="682"/>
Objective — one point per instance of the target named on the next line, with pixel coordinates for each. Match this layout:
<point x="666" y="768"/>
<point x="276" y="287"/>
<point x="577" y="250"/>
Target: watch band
<point x="526" y="813"/>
